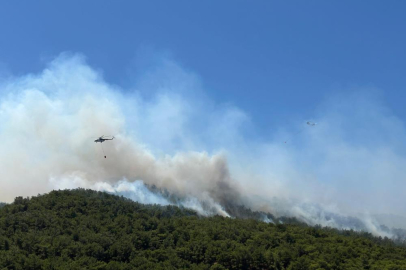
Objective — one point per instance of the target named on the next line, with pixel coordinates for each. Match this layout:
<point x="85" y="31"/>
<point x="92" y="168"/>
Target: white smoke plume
<point x="170" y="135"/>
<point x="49" y="122"/>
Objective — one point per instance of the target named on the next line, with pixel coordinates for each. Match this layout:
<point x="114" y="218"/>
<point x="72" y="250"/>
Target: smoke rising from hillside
<point x="50" y="122"/>
<point x="177" y="139"/>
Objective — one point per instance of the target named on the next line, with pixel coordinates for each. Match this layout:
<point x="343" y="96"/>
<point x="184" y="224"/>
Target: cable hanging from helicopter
<point x="101" y="140"/>
<point x="308" y="123"/>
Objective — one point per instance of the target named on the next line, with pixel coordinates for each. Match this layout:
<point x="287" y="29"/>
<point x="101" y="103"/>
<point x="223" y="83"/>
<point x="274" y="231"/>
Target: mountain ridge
<point x="85" y="229"/>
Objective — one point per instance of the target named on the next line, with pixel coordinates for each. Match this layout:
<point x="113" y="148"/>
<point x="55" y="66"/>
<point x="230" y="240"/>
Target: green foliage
<point x="84" y="229"/>
<point x="2" y="204"/>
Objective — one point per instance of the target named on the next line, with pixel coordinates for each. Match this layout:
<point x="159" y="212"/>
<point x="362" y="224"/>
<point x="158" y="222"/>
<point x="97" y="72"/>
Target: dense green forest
<point x="84" y="229"/>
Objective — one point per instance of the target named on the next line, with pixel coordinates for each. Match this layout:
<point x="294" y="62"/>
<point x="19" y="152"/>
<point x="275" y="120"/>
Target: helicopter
<point x="102" y="139"/>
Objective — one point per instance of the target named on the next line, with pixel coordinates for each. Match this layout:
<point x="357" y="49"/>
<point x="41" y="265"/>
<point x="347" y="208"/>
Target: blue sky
<point x="276" y="60"/>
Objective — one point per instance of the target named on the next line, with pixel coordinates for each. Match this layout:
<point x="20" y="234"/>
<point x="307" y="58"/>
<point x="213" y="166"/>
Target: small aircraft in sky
<point x="311" y="123"/>
<point x="102" y="139"/>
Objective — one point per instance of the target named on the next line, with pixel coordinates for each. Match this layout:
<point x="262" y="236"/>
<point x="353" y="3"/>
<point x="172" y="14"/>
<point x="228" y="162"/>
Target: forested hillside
<point x="84" y="229"/>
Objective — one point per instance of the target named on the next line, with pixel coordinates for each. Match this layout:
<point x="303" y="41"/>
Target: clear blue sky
<point x="273" y="59"/>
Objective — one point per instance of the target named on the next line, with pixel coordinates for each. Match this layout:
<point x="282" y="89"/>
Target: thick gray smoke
<point x="49" y="123"/>
<point x="169" y="135"/>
